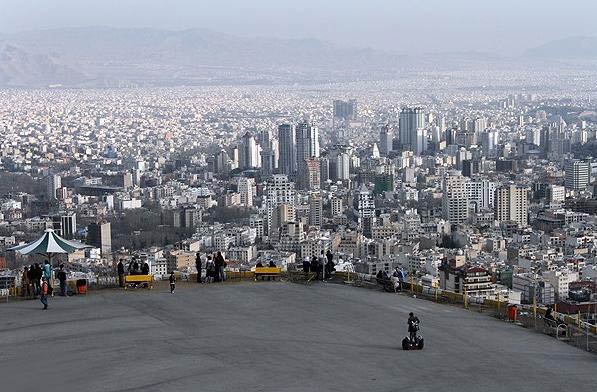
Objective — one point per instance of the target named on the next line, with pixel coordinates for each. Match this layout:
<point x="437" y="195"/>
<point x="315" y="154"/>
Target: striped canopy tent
<point x="48" y="245"/>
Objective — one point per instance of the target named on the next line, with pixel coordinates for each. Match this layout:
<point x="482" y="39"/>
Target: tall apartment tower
<point x="411" y="119"/>
<point x="345" y="110"/>
<point x="54" y="183"/>
<point x="577" y="175"/>
<point x="250" y="156"/>
<point x="99" y="235"/>
<point x="309" y="175"/>
<point x="512" y="204"/>
<point x="307" y="142"/>
<point x="279" y="191"/>
<point x="385" y="140"/>
<point x="246" y="189"/>
<point x="287" y="149"/>
<point x="455" y="200"/>
<point x="315" y="209"/>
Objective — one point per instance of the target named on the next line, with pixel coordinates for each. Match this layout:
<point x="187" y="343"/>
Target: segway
<point x="416" y="343"/>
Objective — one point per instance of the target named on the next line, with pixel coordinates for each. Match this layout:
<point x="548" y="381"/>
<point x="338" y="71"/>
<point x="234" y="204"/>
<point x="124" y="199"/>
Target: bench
<point x="270" y="272"/>
<point x="136" y="280"/>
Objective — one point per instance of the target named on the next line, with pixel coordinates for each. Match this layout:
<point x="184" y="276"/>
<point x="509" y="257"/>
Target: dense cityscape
<point x="432" y="185"/>
<point x="289" y="196"/>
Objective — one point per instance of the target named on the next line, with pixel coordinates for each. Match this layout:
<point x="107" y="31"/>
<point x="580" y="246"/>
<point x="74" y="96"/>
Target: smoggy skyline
<point x="506" y="27"/>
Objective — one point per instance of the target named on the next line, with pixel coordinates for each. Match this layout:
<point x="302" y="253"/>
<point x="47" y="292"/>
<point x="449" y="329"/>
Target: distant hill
<point x="20" y="68"/>
<point x="109" y="56"/>
<point x="584" y="48"/>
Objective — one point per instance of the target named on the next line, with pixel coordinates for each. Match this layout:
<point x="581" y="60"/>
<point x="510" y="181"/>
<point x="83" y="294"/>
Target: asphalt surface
<point x="268" y="336"/>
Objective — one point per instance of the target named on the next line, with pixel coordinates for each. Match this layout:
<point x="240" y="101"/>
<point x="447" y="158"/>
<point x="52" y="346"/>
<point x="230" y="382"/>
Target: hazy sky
<point x="504" y="26"/>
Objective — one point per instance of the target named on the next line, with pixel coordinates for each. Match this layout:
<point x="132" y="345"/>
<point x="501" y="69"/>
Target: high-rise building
<point x="54" y="182"/>
<point x="345" y="110"/>
<point x="309" y="176"/>
<point x="279" y="191"/>
<point x="577" y="174"/>
<point x="411" y="119"/>
<point x="287" y="163"/>
<point x="455" y="200"/>
<point x="512" y="204"/>
<point x="315" y="209"/>
<point x="246" y="190"/>
<point x="489" y="142"/>
<point x="65" y="224"/>
<point x="385" y="140"/>
<point x="99" y="235"/>
<point x="420" y="142"/>
<point x="307" y="142"/>
<point x="479" y="125"/>
<point x="343" y="166"/>
<point x="268" y="153"/>
<point x="366" y="210"/>
<point x="481" y="193"/>
<point x="250" y="157"/>
<point x="337" y="208"/>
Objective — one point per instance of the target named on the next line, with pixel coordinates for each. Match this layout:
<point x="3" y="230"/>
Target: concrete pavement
<point x="271" y="336"/>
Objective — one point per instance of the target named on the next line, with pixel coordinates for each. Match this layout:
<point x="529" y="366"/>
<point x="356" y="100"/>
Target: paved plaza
<point x="268" y="336"/>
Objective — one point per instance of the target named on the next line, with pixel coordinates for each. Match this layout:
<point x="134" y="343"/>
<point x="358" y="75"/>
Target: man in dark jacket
<point x="62" y="280"/>
<point x="120" y="270"/>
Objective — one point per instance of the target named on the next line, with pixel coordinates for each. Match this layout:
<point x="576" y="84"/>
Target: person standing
<point x="120" y="269"/>
<point x="219" y="264"/>
<point x="37" y="275"/>
<point x="25" y="285"/>
<point x="47" y="273"/>
<point x="198" y="266"/>
<point x="329" y="265"/>
<point x="172" y="282"/>
<point x="45" y="288"/>
<point x="62" y="280"/>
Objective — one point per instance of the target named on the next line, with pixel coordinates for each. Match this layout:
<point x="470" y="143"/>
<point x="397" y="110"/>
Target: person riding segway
<point x="413" y="341"/>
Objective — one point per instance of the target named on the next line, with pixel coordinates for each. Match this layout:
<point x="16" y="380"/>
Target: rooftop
<point x="268" y="336"/>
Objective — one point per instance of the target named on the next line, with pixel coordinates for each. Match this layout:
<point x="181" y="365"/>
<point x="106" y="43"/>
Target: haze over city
<point x="298" y="195"/>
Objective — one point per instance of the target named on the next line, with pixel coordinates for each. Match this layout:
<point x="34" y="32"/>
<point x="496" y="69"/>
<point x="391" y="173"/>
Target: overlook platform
<point x="272" y="336"/>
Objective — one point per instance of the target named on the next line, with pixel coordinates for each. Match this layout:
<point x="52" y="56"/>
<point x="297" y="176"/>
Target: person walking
<point x="120" y="270"/>
<point x="62" y="280"/>
<point x="45" y="288"/>
<point x="172" y="282"/>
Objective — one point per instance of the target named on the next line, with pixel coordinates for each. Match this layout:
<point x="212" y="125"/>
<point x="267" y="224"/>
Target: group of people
<point x="323" y="266"/>
<point x="396" y="279"/>
<point x="36" y="281"/>
<point x="134" y="268"/>
<point x="215" y="268"/>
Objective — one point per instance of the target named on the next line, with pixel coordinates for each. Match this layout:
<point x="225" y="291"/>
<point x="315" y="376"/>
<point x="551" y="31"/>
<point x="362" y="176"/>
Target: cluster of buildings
<point x="495" y="198"/>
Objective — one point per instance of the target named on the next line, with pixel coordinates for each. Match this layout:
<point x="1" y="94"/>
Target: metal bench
<point x="145" y="281"/>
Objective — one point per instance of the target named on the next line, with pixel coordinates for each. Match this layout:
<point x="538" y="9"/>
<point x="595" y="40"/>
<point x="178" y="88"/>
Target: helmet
<point x="411" y="314"/>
